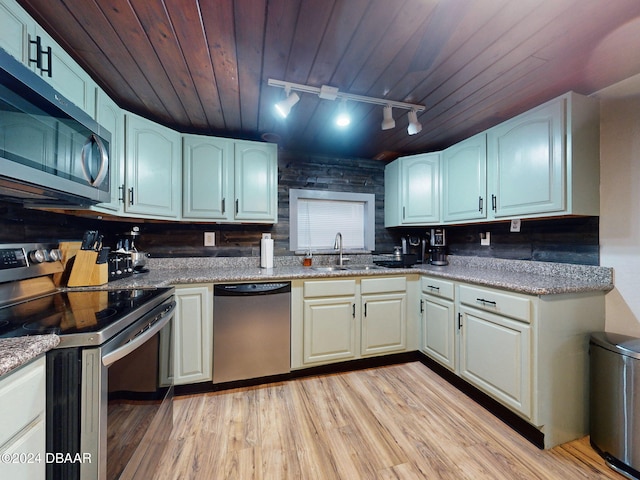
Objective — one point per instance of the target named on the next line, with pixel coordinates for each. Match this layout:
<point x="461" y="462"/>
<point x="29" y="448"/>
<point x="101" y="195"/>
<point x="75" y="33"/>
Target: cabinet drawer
<point x="22" y="398"/>
<point x="501" y="303"/>
<point x="329" y="288"/>
<point x="439" y="288"/>
<point x="382" y="285"/>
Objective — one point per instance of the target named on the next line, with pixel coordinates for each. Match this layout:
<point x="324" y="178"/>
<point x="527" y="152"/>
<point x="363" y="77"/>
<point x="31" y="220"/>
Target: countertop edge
<point x="18" y="351"/>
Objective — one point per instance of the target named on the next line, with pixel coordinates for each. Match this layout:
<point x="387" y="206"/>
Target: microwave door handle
<point x="112" y="357"/>
<point x="104" y="161"/>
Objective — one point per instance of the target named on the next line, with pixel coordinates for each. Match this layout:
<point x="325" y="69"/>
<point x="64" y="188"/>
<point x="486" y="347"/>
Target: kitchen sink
<point x="337" y="268"/>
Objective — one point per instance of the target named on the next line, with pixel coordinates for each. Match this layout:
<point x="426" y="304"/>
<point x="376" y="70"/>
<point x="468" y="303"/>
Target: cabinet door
<point x="464" y="180"/>
<point x="16" y="26"/>
<point x="193" y="337"/>
<point x="111" y="117"/>
<point x="206" y="173"/>
<point x="392" y="201"/>
<point x="527" y="162"/>
<point x="329" y="329"/>
<point x="31" y="442"/>
<point x="439" y="330"/>
<point x="256" y="182"/>
<point x="419" y="187"/>
<point x="152" y="168"/>
<point x="495" y="355"/>
<point x="384" y="324"/>
<point x="67" y="77"/>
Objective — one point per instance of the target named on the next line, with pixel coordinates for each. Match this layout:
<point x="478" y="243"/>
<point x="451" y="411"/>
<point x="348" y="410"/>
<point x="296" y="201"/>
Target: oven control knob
<point x="55" y="255"/>
<point x="38" y="256"/>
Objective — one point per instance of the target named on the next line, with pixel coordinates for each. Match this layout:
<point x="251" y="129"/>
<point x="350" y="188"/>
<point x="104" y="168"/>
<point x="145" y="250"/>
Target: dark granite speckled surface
<point x="533" y="278"/>
<point x="15" y="352"/>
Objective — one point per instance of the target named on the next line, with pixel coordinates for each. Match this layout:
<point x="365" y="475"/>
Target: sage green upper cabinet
<point x="16" y="27"/>
<point x="464" y="180"/>
<point x="153" y="168"/>
<point x="229" y="180"/>
<point x="67" y="77"/>
<point x="18" y="34"/>
<point x="412" y="190"/>
<point x="545" y="162"/>
<point x="256" y="182"/>
<point x="206" y="188"/>
<point x="111" y="117"/>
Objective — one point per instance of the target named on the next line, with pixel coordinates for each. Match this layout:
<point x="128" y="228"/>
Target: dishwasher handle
<point x="250" y="289"/>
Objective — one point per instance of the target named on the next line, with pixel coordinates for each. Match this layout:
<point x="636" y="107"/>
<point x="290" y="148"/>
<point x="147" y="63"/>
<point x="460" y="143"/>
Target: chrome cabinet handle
<point x="121" y="196"/>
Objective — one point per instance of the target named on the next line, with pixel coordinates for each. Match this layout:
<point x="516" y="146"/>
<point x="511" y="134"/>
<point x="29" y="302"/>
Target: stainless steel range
<point x="110" y="380"/>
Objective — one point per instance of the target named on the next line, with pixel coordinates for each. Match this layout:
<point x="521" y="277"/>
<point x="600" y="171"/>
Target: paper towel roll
<point x="266" y="253"/>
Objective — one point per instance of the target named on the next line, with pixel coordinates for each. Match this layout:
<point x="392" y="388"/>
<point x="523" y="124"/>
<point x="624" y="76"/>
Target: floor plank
<point x="395" y="422"/>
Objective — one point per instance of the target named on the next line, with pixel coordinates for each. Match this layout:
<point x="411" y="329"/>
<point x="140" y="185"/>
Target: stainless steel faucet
<point x="338" y="246"/>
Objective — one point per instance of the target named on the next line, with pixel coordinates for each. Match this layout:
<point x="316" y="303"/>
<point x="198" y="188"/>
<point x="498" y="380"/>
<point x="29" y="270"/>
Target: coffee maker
<point x="416" y="246"/>
<point x="438" y="247"/>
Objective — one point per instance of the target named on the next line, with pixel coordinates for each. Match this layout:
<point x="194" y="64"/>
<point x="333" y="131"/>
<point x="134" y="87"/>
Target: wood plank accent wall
<point x="568" y="240"/>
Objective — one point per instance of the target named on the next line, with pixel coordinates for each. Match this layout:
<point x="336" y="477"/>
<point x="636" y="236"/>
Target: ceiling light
<point x="343" y="119"/>
<point x="414" y="125"/>
<point x="387" y="118"/>
<point x="284" y="107"/>
<point x="327" y="92"/>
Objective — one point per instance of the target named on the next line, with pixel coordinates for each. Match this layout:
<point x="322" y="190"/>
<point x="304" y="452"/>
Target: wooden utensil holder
<point x="86" y="272"/>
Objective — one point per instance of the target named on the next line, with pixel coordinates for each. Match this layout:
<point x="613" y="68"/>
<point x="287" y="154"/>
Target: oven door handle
<point x="112" y="357"/>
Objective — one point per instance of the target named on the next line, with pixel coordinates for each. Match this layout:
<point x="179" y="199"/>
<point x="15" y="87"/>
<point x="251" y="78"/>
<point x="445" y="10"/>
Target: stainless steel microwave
<point x="51" y="151"/>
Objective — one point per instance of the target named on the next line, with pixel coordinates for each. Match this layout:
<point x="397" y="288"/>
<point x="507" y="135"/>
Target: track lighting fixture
<point x="332" y="93"/>
<point x="284" y="107"/>
<point x="387" y="118"/>
<point x="414" y="125"/>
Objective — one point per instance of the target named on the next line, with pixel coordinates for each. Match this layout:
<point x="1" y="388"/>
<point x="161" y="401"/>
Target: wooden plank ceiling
<point x="202" y="66"/>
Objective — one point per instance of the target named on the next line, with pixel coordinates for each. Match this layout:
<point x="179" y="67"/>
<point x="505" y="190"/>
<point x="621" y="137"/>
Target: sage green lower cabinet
<point x="193" y="333"/>
<point x="384" y="315"/>
<point x="495" y="355"/>
<point x="343" y="319"/>
<point x="329" y="321"/>
<point x="528" y="352"/>
<point x="22" y="416"/>
<point x="439" y="330"/>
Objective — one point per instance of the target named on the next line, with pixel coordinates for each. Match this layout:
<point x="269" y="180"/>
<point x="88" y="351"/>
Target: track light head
<point x="284" y="107"/>
<point x="414" y="125"/>
<point x="343" y="119"/>
<point x="387" y="118"/>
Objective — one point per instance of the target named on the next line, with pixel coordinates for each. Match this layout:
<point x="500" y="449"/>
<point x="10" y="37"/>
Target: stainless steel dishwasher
<point x="251" y="330"/>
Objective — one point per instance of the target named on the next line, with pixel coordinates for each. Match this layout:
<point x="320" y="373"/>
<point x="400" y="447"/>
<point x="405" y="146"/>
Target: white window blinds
<point x="316" y="216"/>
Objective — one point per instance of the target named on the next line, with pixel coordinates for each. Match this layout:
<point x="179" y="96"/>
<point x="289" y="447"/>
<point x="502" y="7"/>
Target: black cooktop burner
<point x="72" y="312"/>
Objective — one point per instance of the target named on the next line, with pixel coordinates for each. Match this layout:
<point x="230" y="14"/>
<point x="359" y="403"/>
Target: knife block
<point x="85" y="272"/>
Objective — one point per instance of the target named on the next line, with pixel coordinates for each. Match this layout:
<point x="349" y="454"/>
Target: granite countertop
<point x="15" y="352"/>
<point x="533" y="278"/>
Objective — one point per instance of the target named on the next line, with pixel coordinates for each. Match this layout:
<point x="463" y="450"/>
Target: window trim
<point x="368" y="199"/>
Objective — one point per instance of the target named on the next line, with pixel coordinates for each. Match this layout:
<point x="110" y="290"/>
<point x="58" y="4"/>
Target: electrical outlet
<point x="209" y="239"/>
<point x="485" y="238"/>
<point x="515" y="225"/>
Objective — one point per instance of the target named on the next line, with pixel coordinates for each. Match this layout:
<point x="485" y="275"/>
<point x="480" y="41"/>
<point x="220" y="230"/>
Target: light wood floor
<point x="396" y="422"/>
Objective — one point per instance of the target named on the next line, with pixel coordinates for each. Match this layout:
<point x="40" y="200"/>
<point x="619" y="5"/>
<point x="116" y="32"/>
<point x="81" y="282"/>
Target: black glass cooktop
<point x="76" y="312"/>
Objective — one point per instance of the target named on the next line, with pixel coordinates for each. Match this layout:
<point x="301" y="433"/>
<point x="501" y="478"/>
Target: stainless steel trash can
<point x="614" y="412"/>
